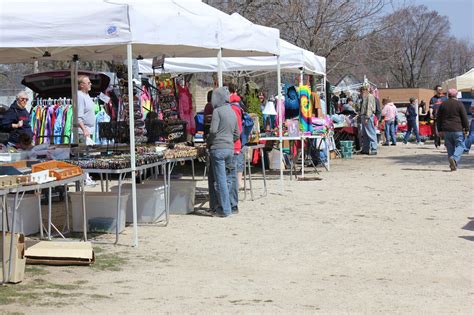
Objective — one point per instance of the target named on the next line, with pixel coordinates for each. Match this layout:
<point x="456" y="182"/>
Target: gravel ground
<point x="392" y="233"/>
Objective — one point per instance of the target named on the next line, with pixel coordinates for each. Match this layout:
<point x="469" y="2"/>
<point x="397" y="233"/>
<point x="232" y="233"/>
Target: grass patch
<point x="109" y="262"/>
<point x="99" y="296"/>
<point x="16" y="293"/>
<point x="32" y="293"/>
<point x="98" y="250"/>
<point x="35" y="271"/>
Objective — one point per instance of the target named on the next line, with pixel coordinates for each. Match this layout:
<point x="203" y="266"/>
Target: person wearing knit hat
<point x="451" y="122"/>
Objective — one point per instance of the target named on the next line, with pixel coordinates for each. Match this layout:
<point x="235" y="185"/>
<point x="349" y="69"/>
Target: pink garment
<point x="280" y="103"/>
<point x="389" y="111"/>
<point x="185" y="109"/>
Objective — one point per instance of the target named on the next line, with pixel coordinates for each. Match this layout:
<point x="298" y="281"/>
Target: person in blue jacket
<point x="411" y="114"/>
<point x="16" y="119"/>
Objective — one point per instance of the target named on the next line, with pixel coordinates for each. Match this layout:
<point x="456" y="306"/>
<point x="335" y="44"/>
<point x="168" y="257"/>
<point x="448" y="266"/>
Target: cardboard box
<point x="60" y="253"/>
<point x="18" y="258"/>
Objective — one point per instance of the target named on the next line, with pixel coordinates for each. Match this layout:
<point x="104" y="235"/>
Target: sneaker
<point x="385" y="144"/>
<point x="452" y="164"/>
<point x="211" y="211"/>
<point x="420" y="143"/>
<point x="394" y="144"/>
<point x="373" y="153"/>
<point x="235" y="210"/>
<point x="90" y="182"/>
<point x="220" y="215"/>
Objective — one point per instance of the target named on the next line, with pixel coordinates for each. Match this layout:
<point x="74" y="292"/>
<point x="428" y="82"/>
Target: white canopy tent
<point x="59" y="30"/>
<point x="462" y="83"/>
<point x="292" y="59"/>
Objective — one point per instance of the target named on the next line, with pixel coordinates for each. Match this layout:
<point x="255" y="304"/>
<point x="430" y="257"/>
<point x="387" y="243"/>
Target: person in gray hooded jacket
<point x="223" y="133"/>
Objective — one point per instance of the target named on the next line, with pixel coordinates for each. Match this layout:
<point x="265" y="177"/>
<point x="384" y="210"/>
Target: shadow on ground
<point x="470" y="225"/>
<point x="428" y="160"/>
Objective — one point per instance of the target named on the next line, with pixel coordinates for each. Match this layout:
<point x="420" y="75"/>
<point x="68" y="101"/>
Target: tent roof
<point x="464" y="82"/>
<point x="30" y="28"/>
<point x="194" y="24"/>
<point x="157" y="27"/>
<point x="292" y="59"/>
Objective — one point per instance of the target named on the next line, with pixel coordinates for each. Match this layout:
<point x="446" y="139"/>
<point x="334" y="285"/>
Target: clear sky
<point x="459" y="12"/>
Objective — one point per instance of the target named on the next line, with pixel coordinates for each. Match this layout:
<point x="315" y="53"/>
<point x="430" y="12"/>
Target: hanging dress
<point x="185" y="109"/>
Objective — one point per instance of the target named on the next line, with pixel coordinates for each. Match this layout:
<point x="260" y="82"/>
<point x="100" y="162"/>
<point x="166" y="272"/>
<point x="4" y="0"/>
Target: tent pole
<point x="280" y="122"/>
<point x="74" y="88"/>
<point x="219" y="68"/>
<point x="132" y="142"/>
<point x="35" y="66"/>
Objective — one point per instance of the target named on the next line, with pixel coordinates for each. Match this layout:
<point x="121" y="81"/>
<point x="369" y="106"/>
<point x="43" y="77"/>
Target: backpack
<point x="247" y="126"/>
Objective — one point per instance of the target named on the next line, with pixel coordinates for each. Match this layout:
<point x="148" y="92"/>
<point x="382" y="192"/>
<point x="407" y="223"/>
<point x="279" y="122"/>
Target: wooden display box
<point x="59" y="170"/>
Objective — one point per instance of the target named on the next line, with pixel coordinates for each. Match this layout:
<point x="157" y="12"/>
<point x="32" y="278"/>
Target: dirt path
<point x="388" y="233"/>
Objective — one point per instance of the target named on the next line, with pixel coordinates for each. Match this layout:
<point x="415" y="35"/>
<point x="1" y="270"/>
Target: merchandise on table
<point x="117" y="162"/>
<point x="181" y="151"/>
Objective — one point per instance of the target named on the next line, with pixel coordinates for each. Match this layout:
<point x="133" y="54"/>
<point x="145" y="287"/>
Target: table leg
<point x="328" y="158"/>
<point x="106" y="182"/>
<point x="192" y="166"/>
<point x="101" y="182"/>
<point x="250" y="180"/>
<point x="168" y="201"/>
<point x="12" y="235"/>
<point x="167" y="194"/>
<point x="4" y="247"/>
<point x="302" y="157"/>
<point x="84" y="214"/>
<point x="67" y="209"/>
<point x="245" y="172"/>
<point x="49" y="212"/>
<point x="264" y="175"/>
<point x="38" y="196"/>
<point x="117" y="218"/>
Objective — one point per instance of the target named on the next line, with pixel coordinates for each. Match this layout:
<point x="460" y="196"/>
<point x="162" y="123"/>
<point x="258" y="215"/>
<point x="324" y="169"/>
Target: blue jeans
<point x="412" y="127"/>
<point x="454" y="142"/>
<point x="470" y="137"/>
<point x="390" y="132"/>
<point x="233" y="183"/>
<point x="369" y="135"/>
<point x="221" y="162"/>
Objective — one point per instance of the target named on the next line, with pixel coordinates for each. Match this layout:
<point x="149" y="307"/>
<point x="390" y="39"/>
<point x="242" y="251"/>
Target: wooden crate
<point x="58" y="169"/>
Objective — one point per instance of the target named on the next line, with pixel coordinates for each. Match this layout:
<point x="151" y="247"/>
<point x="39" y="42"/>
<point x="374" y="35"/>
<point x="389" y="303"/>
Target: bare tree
<point x="456" y="57"/>
<point x="409" y="49"/>
<point x="329" y="28"/>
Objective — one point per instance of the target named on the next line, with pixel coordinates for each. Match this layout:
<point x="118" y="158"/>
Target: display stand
<point x="121" y="176"/>
<point x="248" y="168"/>
<point x="302" y="138"/>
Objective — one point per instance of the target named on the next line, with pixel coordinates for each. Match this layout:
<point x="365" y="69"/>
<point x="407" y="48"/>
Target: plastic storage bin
<point x="150" y="201"/>
<point x="26" y="217"/>
<point x="101" y="211"/>
<point x="182" y="195"/>
<point x="346" y="149"/>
